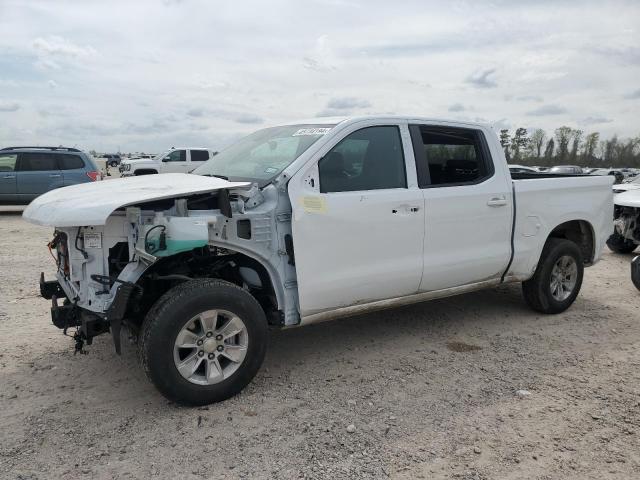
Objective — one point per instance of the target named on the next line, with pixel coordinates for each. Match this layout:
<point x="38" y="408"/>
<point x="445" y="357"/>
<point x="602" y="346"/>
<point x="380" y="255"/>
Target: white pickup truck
<point x="175" y="160"/>
<point x="307" y="222"/>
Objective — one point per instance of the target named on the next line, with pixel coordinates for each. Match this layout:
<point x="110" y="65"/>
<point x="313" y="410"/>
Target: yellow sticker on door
<point x="314" y="204"/>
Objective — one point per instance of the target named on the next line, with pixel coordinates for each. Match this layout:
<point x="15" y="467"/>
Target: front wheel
<point x="557" y="279"/>
<point x="617" y="243"/>
<point x="203" y="341"/>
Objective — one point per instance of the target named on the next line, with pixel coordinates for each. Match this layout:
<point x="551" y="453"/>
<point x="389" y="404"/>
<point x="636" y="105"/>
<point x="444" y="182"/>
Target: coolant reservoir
<point x="183" y="234"/>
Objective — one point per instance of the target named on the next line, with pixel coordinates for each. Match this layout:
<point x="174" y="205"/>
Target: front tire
<point x="617" y="243"/>
<point x="203" y="341"/>
<point x="557" y="279"/>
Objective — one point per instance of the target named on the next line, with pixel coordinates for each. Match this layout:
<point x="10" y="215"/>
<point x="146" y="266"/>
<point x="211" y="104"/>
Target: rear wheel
<point x="617" y="243"/>
<point x="635" y="271"/>
<point x="203" y="341"/>
<point x="557" y="279"/>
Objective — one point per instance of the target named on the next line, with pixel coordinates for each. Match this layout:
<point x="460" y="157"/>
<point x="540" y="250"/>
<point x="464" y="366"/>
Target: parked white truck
<point x="307" y="222"/>
<point x="175" y="160"/>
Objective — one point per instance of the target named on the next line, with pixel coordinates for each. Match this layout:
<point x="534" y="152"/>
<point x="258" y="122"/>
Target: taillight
<point x="94" y="176"/>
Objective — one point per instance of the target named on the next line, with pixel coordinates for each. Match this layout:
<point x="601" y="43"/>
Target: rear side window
<point x="70" y="162"/>
<point x="367" y="159"/>
<point x="37" y="162"/>
<point x="199" y="155"/>
<point x="449" y="156"/>
<point x="8" y="162"/>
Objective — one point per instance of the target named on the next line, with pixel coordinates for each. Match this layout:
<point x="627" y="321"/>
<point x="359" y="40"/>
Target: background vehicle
<point x="26" y="172"/>
<point x="566" y="169"/>
<point x="521" y="169"/>
<point x="176" y="160"/>
<point x="632" y="184"/>
<point x="112" y="159"/>
<point x="626" y="213"/>
<point x="617" y="174"/>
<point x="307" y="222"/>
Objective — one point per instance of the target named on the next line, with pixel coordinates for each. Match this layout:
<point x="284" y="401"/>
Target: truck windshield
<point x="261" y="156"/>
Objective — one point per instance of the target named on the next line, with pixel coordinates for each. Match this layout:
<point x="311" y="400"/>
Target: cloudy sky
<point x="149" y="74"/>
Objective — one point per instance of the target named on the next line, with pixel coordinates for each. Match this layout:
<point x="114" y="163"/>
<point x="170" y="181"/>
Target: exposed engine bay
<point x="113" y="273"/>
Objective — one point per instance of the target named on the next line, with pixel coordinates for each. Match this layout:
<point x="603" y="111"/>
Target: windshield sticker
<point x="270" y="170"/>
<point x="311" y="131"/>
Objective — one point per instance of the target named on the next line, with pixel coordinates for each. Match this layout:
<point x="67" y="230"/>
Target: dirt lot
<point x="431" y="390"/>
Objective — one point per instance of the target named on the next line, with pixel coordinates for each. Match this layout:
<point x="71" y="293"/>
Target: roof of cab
<point x="358" y="118"/>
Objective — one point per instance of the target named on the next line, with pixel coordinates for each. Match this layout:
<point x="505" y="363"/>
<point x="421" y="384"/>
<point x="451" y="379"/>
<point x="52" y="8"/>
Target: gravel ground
<point x="472" y="387"/>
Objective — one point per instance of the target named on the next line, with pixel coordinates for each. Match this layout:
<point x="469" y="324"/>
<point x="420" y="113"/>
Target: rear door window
<point x="199" y="155"/>
<point x="37" y="162"/>
<point x="70" y="162"/>
<point x="449" y="156"/>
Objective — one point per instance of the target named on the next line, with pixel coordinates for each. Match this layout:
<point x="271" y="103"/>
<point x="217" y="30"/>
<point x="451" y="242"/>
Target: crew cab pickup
<point x="175" y="160"/>
<point x="307" y="222"/>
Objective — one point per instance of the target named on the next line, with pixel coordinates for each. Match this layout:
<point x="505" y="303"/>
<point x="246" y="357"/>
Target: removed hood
<point x="92" y="203"/>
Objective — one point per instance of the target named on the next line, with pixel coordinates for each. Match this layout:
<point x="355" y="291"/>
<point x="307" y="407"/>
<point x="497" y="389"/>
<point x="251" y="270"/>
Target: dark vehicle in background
<point x="112" y="159"/>
<point x="566" y="169"/>
<point x="619" y="176"/>
<point x="27" y="172"/>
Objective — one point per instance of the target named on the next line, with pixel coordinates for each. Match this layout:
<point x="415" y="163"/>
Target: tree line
<point x="569" y="146"/>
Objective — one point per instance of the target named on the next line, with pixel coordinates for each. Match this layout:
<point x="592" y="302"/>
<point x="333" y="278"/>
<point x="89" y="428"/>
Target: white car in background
<point x="175" y="160"/>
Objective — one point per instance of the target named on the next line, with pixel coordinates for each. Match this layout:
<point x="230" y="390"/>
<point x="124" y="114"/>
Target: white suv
<point x="175" y="160"/>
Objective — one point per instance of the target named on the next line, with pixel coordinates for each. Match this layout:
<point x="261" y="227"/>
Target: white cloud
<point x="547" y="110"/>
<point x="483" y="78"/>
<point x="9" y="106"/>
<point x="204" y="72"/>
<point x="55" y="45"/>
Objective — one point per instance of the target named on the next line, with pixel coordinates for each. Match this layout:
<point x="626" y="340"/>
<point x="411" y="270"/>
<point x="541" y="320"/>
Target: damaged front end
<point x="110" y="273"/>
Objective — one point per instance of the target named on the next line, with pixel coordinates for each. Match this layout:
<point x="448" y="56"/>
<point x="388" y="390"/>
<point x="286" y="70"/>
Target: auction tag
<point x="311" y="131"/>
<point x="92" y="240"/>
<point x="314" y="204"/>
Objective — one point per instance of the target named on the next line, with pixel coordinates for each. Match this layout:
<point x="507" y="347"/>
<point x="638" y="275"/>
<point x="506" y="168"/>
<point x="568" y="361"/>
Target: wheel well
<point x="233" y="267"/>
<point x="145" y="171"/>
<point x="579" y="232"/>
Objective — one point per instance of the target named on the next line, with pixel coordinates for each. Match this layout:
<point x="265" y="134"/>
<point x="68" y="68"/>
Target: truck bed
<point x="544" y="201"/>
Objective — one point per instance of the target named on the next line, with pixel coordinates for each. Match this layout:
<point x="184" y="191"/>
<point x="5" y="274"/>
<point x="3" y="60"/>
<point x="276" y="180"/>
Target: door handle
<point x="405" y="209"/>
<point x="54" y="175"/>
<point x="497" y="202"/>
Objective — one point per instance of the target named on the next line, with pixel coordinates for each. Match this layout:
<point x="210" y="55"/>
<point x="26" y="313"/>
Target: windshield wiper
<point x="217" y="176"/>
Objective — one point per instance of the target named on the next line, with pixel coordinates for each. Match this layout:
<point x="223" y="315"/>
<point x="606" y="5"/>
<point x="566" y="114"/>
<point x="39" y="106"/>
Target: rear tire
<point x="617" y="243"/>
<point x="557" y="279"/>
<point x="179" y="346"/>
<point x="635" y="271"/>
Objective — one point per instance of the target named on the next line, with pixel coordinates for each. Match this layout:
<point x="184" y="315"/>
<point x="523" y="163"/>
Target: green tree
<point x="548" y="151"/>
<point x="537" y="142"/>
<point x="519" y="142"/>
<point x="563" y="136"/>
<point x="505" y="141"/>
<point x="577" y="137"/>
<point x="590" y="146"/>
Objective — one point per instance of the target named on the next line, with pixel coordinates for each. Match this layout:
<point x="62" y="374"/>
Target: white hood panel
<point x="630" y="198"/>
<point x="92" y="203"/>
